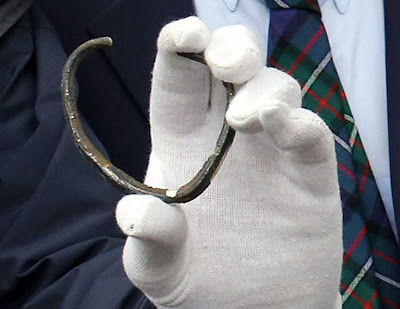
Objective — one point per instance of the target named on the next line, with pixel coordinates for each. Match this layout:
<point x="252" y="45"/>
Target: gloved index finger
<point x="180" y="87"/>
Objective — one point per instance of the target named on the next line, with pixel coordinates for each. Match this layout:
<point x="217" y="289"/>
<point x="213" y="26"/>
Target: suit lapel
<point x="134" y="27"/>
<point x="392" y="9"/>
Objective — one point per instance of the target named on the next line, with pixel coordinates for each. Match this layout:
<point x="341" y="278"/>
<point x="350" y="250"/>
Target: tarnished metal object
<point x="116" y="176"/>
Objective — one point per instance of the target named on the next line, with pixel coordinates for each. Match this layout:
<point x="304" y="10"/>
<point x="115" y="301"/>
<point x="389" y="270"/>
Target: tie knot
<point x="294" y="4"/>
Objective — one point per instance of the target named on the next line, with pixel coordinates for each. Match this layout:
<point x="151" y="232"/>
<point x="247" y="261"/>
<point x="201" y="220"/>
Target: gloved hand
<point x="267" y="233"/>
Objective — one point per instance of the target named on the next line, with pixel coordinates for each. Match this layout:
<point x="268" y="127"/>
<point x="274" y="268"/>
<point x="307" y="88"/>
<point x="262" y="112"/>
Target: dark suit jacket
<point x="59" y="244"/>
<point x="392" y="23"/>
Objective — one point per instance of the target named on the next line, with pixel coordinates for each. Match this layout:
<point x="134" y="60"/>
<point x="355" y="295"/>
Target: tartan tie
<point x="299" y="46"/>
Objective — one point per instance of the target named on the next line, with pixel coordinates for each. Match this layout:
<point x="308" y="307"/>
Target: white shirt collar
<point x="341" y="5"/>
<point x="231" y="4"/>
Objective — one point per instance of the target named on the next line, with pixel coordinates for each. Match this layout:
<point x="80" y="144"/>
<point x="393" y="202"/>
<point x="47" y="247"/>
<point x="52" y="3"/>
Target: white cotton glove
<point x="267" y="233"/>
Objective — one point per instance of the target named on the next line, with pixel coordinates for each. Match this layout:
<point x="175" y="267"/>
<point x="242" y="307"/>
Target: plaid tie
<point x="299" y="46"/>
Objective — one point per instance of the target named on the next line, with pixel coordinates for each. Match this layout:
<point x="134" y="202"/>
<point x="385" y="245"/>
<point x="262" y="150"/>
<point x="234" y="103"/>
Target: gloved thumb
<point x="148" y="218"/>
<point x="157" y="235"/>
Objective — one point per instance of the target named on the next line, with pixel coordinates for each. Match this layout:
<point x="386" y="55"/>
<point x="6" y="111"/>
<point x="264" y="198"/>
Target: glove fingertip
<point x="129" y="209"/>
<point x="185" y="35"/>
<point x="235" y="54"/>
<point x="148" y="218"/>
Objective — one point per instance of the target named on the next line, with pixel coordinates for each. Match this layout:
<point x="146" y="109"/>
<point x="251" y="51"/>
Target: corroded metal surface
<point x="116" y="176"/>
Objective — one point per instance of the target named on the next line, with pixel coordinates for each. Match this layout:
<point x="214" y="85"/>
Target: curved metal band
<point x="116" y="176"/>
